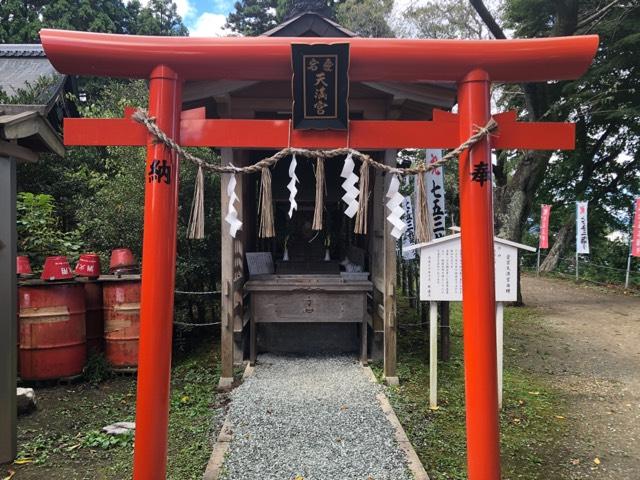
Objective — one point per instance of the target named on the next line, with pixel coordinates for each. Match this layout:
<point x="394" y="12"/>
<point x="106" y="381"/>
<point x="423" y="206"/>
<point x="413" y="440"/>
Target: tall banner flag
<point x="635" y="238"/>
<point x="545" y="213"/>
<point x="582" y="228"/>
<point x="434" y="182"/>
<point x="409" y="237"/>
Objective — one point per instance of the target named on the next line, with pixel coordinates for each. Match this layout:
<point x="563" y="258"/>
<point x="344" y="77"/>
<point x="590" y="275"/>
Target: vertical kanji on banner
<point x="545" y="213"/>
<point x="635" y="237"/>
<point x="434" y="182"/>
<point x="582" y="228"/>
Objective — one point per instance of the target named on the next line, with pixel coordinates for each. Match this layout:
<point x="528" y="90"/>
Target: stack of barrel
<point x="63" y="318"/>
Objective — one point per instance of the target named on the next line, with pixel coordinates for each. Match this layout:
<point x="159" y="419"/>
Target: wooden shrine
<point x="307" y="282"/>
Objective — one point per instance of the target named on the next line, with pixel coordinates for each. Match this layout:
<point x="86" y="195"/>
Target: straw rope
<point x="319" y="205"/>
<point x="267" y="230"/>
<point x="142" y="116"/>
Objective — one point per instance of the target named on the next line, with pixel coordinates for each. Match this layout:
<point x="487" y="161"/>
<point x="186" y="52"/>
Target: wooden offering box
<point x="308" y="299"/>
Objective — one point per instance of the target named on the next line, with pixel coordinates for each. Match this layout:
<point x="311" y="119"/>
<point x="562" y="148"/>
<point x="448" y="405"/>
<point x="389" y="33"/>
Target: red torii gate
<point x="168" y="61"/>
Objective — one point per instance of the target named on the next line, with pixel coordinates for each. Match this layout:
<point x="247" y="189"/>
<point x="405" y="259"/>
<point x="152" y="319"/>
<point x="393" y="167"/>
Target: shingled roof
<point x="22" y="66"/>
<point x="34" y="126"/>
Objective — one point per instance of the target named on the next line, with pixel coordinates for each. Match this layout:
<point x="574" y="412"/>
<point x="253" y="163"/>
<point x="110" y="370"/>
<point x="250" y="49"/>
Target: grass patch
<point x="531" y="422"/>
<point x="63" y="438"/>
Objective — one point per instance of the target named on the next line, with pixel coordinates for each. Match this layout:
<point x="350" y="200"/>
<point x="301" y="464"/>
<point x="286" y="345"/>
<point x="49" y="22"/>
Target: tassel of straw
<point x="363" y="200"/>
<point x="317" y="213"/>
<point x="266" y="206"/>
<point x="424" y="227"/>
<point x="195" y="230"/>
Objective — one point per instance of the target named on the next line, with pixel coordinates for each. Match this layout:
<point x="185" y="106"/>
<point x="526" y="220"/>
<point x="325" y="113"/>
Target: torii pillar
<point x="471" y="64"/>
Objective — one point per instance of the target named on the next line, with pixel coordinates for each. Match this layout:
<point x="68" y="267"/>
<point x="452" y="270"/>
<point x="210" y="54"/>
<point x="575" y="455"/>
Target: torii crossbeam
<point x="473" y="65"/>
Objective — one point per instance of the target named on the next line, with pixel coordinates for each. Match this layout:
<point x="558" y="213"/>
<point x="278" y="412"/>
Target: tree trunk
<point x="513" y="200"/>
<point x="552" y="259"/>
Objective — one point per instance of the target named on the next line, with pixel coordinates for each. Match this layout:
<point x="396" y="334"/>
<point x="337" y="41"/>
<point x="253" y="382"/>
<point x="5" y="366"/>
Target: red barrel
<point x="52" y="330"/>
<point x="121" y="300"/>
<point x="95" y="318"/>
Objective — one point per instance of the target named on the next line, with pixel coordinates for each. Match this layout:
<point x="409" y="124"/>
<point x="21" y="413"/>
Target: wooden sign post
<point x="441" y="281"/>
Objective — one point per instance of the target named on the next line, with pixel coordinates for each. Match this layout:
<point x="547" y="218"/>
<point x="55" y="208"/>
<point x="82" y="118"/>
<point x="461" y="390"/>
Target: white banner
<point x="408" y="238"/>
<point x="434" y="182"/>
<point x="582" y="228"/>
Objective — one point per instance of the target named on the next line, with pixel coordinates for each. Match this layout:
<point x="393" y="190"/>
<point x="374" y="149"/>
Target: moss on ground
<point x="532" y="420"/>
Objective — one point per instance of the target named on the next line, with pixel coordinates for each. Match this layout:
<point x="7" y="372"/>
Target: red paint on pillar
<point x="158" y="276"/>
<point x="478" y="306"/>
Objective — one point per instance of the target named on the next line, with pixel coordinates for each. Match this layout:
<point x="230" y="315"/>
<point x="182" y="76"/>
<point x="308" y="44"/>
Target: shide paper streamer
<point x="232" y="214"/>
<point x="395" y="207"/>
<point x="349" y="185"/>
<point x="292" y="185"/>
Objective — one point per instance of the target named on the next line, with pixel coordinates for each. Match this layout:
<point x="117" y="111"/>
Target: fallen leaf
<point x="559" y="417"/>
<point x="596" y="461"/>
<point x="575" y="461"/>
<point x="23" y="461"/>
<point x="185" y="399"/>
<point x="533" y="393"/>
<point x="10" y="476"/>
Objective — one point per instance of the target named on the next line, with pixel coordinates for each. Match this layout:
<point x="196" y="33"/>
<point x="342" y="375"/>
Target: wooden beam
<point x="227" y="299"/>
<point x="390" y="326"/>
<point x="8" y="298"/>
<point x="442" y="132"/>
<point x="21" y="154"/>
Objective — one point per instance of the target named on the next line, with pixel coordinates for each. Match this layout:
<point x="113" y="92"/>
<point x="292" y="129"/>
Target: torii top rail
<point x="269" y="58"/>
<point x="472" y="65"/>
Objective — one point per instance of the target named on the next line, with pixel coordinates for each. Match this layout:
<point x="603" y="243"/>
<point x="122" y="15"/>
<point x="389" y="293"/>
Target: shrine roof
<point x="456" y="236"/>
<point x="309" y="24"/>
<point x="22" y="66"/>
<point x="410" y="101"/>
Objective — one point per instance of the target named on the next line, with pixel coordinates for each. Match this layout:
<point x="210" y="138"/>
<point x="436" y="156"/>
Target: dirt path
<point x="587" y="344"/>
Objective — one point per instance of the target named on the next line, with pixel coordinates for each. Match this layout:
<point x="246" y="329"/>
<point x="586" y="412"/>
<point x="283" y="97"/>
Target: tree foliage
<point x="604" y="103"/>
<point x="366" y="18"/>
<point x="21" y="20"/>
<point x="440" y="19"/>
<point x="39" y="231"/>
<point x="253" y="17"/>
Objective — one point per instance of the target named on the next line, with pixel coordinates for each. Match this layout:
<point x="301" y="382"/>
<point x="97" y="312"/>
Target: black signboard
<point x="320" y="86"/>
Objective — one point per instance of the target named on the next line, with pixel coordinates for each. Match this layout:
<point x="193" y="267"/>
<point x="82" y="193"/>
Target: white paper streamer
<point x="395" y="207"/>
<point x="349" y="185"/>
<point x="292" y="185"/>
<point x="232" y="214"/>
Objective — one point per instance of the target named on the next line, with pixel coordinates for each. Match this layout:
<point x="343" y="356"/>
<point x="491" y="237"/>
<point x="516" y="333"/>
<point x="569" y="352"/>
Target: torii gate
<point x="169" y="61"/>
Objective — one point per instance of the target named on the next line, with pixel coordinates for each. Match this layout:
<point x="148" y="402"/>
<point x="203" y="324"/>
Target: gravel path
<point x="312" y="419"/>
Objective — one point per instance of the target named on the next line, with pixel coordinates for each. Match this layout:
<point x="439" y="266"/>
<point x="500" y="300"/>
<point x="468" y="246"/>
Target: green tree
<point x="290" y="8"/>
<point x="604" y="166"/>
<point x="39" y="231"/>
<point x="159" y="17"/>
<point x="440" y="19"/>
<point x="19" y="22"/>
<point x="22" y="20"/>
<point x="253" y="17"/>
<point x="367" y="18"/>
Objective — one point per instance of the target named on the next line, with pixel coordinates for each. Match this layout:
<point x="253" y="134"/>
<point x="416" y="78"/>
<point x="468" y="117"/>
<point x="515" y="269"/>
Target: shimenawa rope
<point x="196" y="226"/>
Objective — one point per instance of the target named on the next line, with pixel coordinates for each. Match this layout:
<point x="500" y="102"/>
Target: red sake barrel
<point x="121" y="300"/>
<point x="94" y="318"/>
<point x="52" y="330"/>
